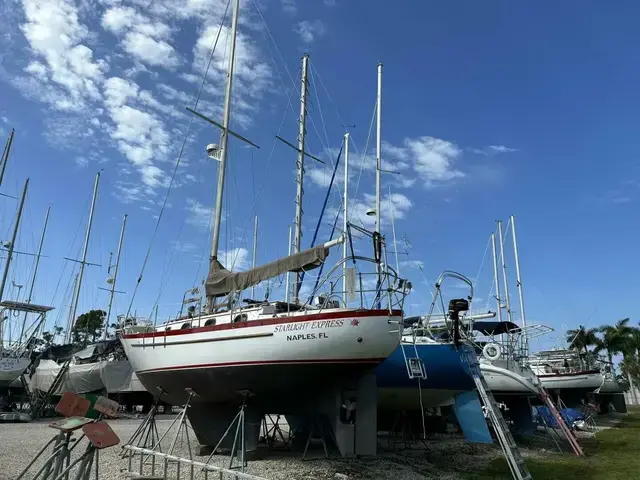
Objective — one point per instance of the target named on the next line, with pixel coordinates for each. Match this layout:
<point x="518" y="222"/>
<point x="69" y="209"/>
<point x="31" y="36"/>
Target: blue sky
<point x="489" y="109"/>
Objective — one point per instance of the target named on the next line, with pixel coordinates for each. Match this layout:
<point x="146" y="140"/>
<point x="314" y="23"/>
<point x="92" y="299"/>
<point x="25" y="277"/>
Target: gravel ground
<point x="441" y="457"/>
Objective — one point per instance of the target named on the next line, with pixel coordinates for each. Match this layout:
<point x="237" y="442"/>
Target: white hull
<point x="509" y="382"/>
<point x="263" y="355"/>
<point x="588" y="381"/>
<point x="11" y="368"/>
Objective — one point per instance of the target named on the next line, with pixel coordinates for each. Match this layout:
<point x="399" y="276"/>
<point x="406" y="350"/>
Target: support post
<point x="523" y="318"/>
<point x="5" y="155"/>
<point x="300" y="170"/>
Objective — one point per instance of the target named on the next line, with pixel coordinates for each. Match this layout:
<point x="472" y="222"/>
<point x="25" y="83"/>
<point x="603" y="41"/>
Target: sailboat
<point x="270" y="356"/>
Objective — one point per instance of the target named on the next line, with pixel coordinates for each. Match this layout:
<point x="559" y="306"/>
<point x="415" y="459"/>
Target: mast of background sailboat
<point x="525" y="339"/>
<point x="115" y="277"/>
<point x="302" y="131"/>
<point x="14" y="235"/>
<point x="83" y="262"/>
<point x="378" y="169"/>
<point x="496" y="279"/>
<point x="35" y="270"/>
<point x="5" y="155"/>
<point x="507" y="301"/>
<point x="9" y="255"/>
<point x="255" y="249"/>
<point x="345" y="223"/>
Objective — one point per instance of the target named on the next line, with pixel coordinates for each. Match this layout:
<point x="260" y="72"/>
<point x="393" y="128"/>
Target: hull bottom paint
<point x="275" y="388"/>
<point x="447" y="375"/>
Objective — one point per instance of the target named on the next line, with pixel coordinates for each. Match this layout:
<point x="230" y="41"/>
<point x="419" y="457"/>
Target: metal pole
<point x="5" y="155"/>
<point x="345" y="204"/>
<point x="504" y="272"/>
<point x="115" y="276"/>
<point x="378" y="146"/>
<point x="496" y="280"/>
<point x="255" y="251"/>
<point x="286" y="287"/>
<point x="35" y="269"/>
<point x="523" y="318"/>
<point x="14" y="235"/>
<point x="78" y="286"/>
<point x="302" y="131"/>
<point x="224" y="140"/>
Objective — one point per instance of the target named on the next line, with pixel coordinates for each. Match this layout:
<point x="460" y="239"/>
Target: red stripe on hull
<point x="270" y="321"/>
<point x="262" y="363"/>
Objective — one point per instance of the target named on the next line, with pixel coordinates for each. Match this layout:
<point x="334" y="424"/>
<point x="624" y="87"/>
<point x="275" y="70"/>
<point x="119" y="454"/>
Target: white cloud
<point x="412" y="264"/>
<point x="490" y="150"/>
<point x="149" y="50"/>
<point x="434" y="158"/>
<point x="309" y="30"/>
<point x="66" y="75"/>
<point x="199" y="215"/>
<point x="234" y="259"/>
<point x="395" y="203"/>
<point x="289" y="7"/>
<point x="329" y="3"/>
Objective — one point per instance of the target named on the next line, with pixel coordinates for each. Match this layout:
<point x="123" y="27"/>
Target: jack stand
<point x="239" y="435"/>
<point x="271" y="433"/>
<point x="146" y="435"/>
<point x="316" y="423"/>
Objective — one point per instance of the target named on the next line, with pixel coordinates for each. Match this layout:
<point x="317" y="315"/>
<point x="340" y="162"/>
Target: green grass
<point x="613" y="454"/>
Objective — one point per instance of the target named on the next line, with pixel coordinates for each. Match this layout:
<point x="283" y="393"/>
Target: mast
<point x="286" y="287"/>
<point x="5" y="155"/>
<point x="83" y="262"/>
<point x="302" y="131"/>
<point x="378" y="146"/>
<point x="14" y="235"/>
<point x="345" y="223"/>
<point x="115" y="276"/>
<point x="523" y="319"/>
<point x="496" y="280"/>
<point x="504" y="272"/>
<point x="224" y="141"/>
<point x="255" y="251"/>
<point x="35" y="270"/>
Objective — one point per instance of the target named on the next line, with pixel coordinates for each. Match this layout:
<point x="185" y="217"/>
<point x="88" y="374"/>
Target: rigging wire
<point x="179" y="159"/>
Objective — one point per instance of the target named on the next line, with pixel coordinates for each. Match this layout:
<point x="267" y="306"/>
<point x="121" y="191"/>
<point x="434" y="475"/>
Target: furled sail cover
<point x="221" y="281"/>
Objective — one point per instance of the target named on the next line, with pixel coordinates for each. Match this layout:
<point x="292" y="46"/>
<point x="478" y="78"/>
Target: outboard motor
<point x="456" y="306"/>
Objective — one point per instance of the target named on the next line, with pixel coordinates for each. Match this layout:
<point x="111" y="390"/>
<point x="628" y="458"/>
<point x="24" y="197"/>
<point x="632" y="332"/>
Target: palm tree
<point x="582" y="338"/>
<point x="615" y="338"/>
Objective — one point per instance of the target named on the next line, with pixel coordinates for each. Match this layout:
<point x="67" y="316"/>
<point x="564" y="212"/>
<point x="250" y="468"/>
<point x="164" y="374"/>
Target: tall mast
<point x="14" y="235"/>
<point x="345" y="226"/>
<point x="286" y="287"/>
<point x="496" y="278"/>
<point x="507" y="302"/>
<point x="255" y="251"/>
<point x="115" y="276"/>
<point x="302" y="131"/>
<point x="224" y="141"/>
<point x="35" y="269"/>
<point x="83" y="262"/>
<point x="378" y="145"/>
<point x="5" y="155"/>
<point x="523" y="319"/>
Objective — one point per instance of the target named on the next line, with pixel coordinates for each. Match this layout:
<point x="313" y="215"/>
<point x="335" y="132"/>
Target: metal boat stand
<point x="270" y="433"/>
<point x="146" y="435"/>
<point x="316" y="428"/>
<point x="239" y="437"/>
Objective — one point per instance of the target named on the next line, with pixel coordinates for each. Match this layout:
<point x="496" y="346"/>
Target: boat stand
<point x="316" y="427"/>
<point x="236" y="449"/>
<point x="146" y="435"/>
<point x="270" y="433"/>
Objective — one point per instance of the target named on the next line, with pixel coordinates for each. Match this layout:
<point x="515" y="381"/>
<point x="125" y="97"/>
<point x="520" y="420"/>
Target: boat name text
<point x="306" y="336"/>
<point x="291" y="327"/>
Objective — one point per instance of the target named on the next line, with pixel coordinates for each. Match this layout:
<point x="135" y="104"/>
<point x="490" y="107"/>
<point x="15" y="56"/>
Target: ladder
<point x="42" y="402"/>
<point x="507" y="443"/>
<point x="562" y="425"/>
